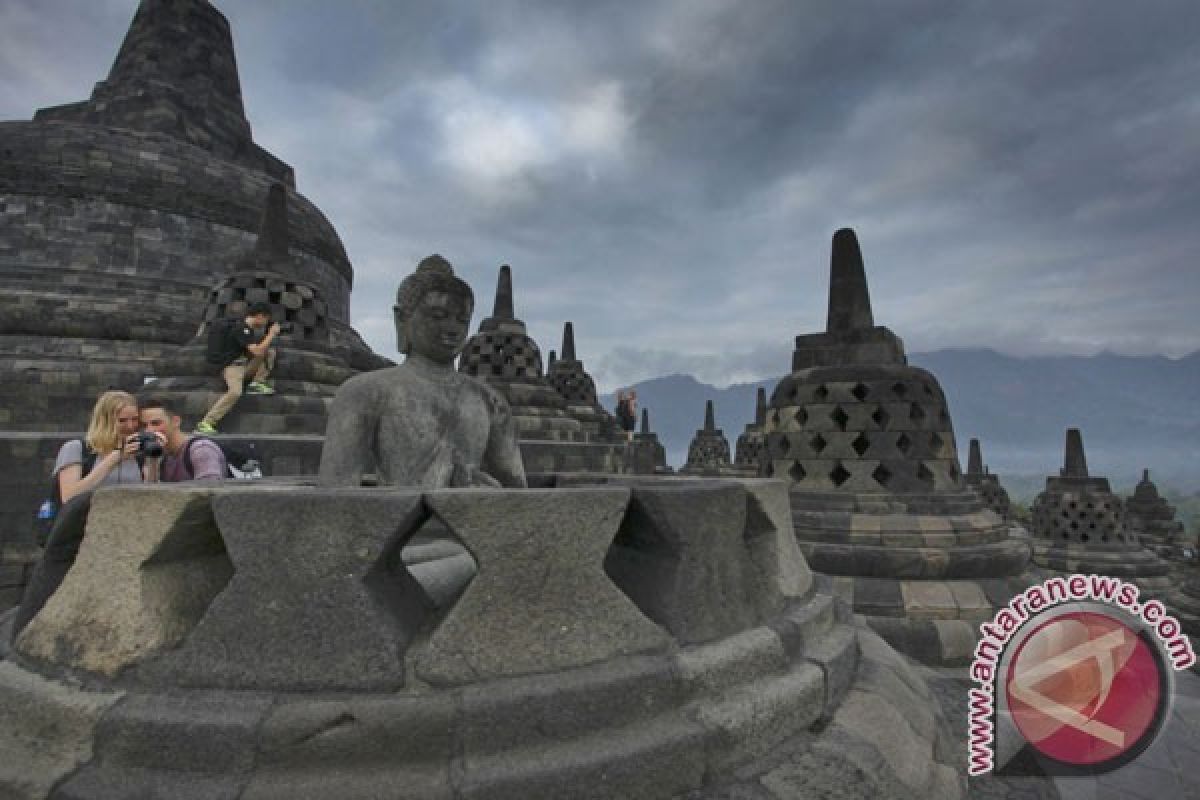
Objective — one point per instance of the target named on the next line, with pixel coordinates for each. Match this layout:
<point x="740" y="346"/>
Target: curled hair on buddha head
<point x="433" y="274"/>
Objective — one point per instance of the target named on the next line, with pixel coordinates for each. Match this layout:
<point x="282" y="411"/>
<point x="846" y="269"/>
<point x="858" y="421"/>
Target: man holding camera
<point x="239" y="347"/>
<point x="176" y="456"/>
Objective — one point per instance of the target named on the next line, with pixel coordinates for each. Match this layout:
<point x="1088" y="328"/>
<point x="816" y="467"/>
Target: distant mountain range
<point x="1135" y="412"/>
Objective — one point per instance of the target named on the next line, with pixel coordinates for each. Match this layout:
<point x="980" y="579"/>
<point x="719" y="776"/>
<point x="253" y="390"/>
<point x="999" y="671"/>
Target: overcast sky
<point x="668" y="173"/>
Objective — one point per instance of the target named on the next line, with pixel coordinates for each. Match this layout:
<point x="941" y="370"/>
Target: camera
<point x="149" y="445"/>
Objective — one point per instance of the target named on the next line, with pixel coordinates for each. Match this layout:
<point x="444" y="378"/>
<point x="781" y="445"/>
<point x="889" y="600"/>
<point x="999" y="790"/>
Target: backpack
<point x="218" y="348"/>
<point x="47" y="510"/>
<point x="241" y="461"/>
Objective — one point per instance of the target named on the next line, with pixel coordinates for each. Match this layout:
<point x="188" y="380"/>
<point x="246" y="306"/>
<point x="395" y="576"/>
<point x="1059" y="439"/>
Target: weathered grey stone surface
<point x="541" y="600"/>
<point x="46" y="730"/>
<point x="333" y="748"/>
<point x="150" y="564"/>
<point x="319" y="598"/>
<point x="783" y="574"/>
<point x="706" y="564"/>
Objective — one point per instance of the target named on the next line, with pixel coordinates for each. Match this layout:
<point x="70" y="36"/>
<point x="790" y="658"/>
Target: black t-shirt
<point x="237" y="335"/>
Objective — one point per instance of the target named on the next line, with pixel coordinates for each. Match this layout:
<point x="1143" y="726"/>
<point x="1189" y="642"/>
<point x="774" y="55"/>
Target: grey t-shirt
<point x="72" y="453"/>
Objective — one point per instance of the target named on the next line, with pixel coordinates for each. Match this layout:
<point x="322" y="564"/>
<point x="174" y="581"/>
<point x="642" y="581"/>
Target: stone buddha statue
<point x="423" y="423"/>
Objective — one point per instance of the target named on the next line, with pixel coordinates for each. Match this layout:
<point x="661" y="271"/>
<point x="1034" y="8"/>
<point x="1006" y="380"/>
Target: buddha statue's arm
<point x="502" y="460"/>
<point x="349" y="436"/>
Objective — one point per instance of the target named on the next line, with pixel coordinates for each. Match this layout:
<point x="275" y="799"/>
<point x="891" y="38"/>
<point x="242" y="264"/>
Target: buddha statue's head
<point x="433" y="311"/>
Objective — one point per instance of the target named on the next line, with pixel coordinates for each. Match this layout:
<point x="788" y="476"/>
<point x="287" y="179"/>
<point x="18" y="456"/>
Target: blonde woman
<point x="106" y="455"/>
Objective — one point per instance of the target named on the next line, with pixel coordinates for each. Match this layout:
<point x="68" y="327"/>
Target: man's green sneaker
<point x="256" y="387"/>
<point x="204" y="427"/>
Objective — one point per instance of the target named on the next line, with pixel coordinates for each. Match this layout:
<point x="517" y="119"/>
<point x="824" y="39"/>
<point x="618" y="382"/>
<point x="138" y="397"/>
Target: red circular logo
<point x="1084" y="689"/>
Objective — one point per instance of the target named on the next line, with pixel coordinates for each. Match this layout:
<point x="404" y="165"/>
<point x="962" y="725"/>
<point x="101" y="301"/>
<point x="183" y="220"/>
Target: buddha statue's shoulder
<point x="372" y="387"/>
<point x="494" y="401"/>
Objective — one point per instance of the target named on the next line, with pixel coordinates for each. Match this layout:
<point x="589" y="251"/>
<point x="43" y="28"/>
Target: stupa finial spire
<point x="568" y="343"/>
<point x="710" y="425"/>
<point x="975" y="459"/>
<point x="760" y="408"/>
<point x="503" y="309"/>
<point x="849" y="297"/>
<point x="1075" y="463"/>
<point x="645" y="420"/>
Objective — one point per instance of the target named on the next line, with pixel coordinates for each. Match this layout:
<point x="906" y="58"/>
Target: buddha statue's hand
<point x="467" y="477"/>
<point x="481" y="478"/>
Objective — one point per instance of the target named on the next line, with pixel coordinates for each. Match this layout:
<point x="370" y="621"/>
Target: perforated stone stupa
<point x="504" y="355"/>
<point x="569" y="378"/>
<point x="749" y="449"/>
<point x="708" y="452"/>
<point x="647" y="456"/>
<point x="988" y="485"/>
<point x="877" y="497"/>
<point x="1153" y="519"/>
<point x="1079" y="525"/>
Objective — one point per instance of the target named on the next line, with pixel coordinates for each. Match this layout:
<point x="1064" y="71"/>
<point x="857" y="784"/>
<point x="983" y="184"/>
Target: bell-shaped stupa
<point x="988" y="485"/>
<point x="877" y="497"/>
<point x="1153" y="519"/>
<point x="1080" y="526"/>
<point x="571" y="380"/>
<point x="749" y="448"/>
<point x="708" y="452"/>
<point x="504" y="355"/>
<point x="647" y="456"/>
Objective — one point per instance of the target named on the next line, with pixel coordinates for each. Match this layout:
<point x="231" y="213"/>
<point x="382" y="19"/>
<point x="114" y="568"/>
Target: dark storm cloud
<point x="667" y="174"/>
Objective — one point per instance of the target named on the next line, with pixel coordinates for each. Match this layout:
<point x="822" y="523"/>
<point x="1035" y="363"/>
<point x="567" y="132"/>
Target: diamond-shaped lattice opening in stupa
<point x="436" y="559"/>
<point x="839" y="475"/>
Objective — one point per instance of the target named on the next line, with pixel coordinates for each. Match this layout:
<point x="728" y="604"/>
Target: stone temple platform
<point x="646" y="638"/>
<point x="877" y="498"/>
